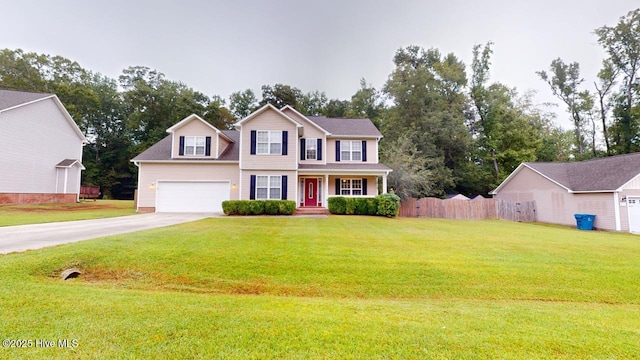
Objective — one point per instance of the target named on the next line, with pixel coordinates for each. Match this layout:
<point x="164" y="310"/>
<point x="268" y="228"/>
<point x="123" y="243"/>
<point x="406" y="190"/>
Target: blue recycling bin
<point x="584" y="221"/>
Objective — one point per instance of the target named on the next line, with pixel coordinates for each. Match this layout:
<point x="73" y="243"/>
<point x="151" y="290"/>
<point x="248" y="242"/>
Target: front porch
<point x="314" y="190"/>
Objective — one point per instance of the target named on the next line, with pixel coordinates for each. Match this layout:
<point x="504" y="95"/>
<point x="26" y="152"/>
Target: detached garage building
<point x="608" y="188"/>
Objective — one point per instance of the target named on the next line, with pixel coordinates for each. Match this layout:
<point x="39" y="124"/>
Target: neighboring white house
<point x="273" y="154"/>
<point x="607" y="187"/>
<point x="41" y="149"/>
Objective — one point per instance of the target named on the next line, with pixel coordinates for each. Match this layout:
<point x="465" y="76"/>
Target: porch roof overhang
<point x="344" y="168"/>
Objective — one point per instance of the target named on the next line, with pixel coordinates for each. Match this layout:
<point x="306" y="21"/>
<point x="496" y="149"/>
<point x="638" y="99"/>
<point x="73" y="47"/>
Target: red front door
<point x="311" y="192"/>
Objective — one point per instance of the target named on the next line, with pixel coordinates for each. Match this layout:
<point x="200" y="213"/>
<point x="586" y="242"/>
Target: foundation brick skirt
<point x="19" y="199"/>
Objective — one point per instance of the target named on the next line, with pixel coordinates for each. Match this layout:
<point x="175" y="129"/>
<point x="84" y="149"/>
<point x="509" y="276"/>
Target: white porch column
<point x="384" y="183"/>
<point x="325" y="189"/>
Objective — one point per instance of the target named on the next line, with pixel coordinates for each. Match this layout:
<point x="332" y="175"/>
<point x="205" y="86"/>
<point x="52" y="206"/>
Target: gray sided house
<point x="608" y="188"/>
<point x="41" y="149"/>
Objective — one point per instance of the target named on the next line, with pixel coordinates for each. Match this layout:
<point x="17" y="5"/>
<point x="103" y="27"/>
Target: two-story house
<point x="272" y="154"/>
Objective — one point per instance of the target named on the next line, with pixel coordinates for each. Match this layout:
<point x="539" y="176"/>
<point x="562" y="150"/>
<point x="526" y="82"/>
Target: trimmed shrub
<point x="388" y="205"/>
<point x="258" y="207"/>
<point x="338" y="205"/>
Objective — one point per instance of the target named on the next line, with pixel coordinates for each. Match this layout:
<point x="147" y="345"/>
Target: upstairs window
<point x="312" y="149"/>
<point x="194" y="145"/>
<point x="269" y="142"/>
<point x="351" y="150"/>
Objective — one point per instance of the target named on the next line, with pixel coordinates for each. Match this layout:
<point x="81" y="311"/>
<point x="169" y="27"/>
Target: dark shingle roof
<point x="161" y="151"/>
<point x="604" y="174"/>
<point x="10" y="98"/>
<point x="346" y="127"/>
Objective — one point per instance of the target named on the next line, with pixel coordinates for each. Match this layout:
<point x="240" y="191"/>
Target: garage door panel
<point x="181" y="196"/>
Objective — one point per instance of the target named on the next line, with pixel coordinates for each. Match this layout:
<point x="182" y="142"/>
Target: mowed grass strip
<point x="43" y="213"/>
<point x="342" y="287"/>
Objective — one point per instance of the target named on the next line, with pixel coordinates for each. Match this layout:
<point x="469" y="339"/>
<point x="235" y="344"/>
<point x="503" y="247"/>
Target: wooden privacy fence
<point x="477" y="209"/>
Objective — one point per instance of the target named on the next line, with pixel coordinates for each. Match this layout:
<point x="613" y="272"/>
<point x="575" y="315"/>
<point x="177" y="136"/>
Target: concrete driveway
<point x="37" y="236"/>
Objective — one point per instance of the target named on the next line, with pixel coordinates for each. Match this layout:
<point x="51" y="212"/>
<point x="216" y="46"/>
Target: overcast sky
<point x="218" y="47"/>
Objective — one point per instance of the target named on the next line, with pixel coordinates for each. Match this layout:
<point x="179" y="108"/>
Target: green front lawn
<point x="340" y="287"/>
<point x="44" y="213"/>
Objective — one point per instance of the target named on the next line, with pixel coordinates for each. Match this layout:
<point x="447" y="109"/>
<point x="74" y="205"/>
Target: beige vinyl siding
<point x="372" y="149"/>
<point x="311" y="131"/>
<point x="35" y="138"/>
<point x="372" y="183"/>
<point x="555" y="204"/>
<point x="222" y="145"/>
<point x="292" y="180"/>
<point x="269" y="120"/>
<point x="151" y="173"/>
<point x="194" y="128"/>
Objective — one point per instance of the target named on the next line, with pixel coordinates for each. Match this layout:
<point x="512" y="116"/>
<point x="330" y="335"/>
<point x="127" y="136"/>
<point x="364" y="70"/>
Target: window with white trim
<point x="350" y="186"/>
<point x="311" y="149"/>
<point x="194" y="145"/>
<point x="269" y="142"/>
<point x="268" y="187"/>
<point x="351" y="150"/>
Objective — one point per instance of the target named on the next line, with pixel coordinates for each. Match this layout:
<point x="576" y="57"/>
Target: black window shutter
<point x="303" y="149"/>
<point x="285" y="143"/>
<point x="337" y="186"/>
<point x="364" y="186"/>
<point x="207" y="149"/>
<point x="319" y="157"/>
<point x="284" y="187"/>
<point x="181" y="149"/>
<point x="252" y="188"/>
<point x="253" y="142"/>
<point x="364" y="150"/>
<point x="337" y="150"/>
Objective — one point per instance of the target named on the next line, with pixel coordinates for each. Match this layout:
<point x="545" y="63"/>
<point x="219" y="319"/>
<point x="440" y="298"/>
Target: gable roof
<point x="290" y="108"/>
<point x="266" y="107"/>
<point x="195" y="117"/>
<point x="10" y="99"/>
<point x="346" y="127"/>
<point x="597" y="175"/>
<point x="161" y="151"/>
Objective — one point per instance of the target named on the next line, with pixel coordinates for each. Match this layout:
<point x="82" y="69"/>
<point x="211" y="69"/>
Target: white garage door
<point x="182" y="196"/>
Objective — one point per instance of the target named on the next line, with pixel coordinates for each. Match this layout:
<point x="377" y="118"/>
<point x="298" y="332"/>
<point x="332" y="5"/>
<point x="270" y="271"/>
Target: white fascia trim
<point x="627" y="183"/>
<point x="354" y="137"/>
<point x="304" y="117"/>
<point x="206" y="162"/>
<point x="343" y="172"/>
<point x="263" y="109"/>
<point x="616" y="211"/>
<point x="27" y="103"/>
<point x="591" y="192"/>
<point x="517" y="170"/>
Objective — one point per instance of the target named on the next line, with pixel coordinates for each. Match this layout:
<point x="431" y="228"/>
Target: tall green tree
<point x="366" y="102"/>
<point x="604" y="86"/>
<point x="281" y="95"/>
<point x="427" y="90"/>
<point x="564" y="80"/>
<point x="242" y="103"/>
<point x="313" y="103"/>
<point x="153" y="104"/>
<point x="622" y="45"/>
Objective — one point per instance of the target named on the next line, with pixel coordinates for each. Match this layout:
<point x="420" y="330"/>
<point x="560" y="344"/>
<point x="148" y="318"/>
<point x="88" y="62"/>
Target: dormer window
<point x="194" y="145"/>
